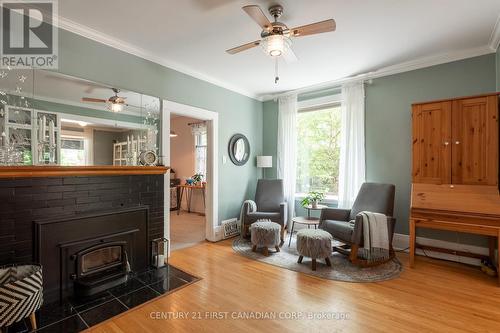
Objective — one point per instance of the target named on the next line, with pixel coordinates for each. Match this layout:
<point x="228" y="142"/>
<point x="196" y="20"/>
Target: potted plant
<point x="197" y="178"/>
<point x="313" y="198"/>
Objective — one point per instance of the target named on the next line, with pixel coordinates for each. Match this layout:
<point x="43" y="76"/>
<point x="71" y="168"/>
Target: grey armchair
<point x="270" y="202"/>
<point x="345" y="226"/>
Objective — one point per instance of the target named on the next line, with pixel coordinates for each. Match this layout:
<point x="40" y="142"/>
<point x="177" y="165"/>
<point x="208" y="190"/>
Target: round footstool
<point x="22" y="294"/>
<point x="265" y="234"/>
<point x="315" y="244"/>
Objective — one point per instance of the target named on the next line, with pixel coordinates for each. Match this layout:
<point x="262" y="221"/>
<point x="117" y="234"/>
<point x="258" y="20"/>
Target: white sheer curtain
<point x="287" y="143"/>
<point x="352" y="147"/>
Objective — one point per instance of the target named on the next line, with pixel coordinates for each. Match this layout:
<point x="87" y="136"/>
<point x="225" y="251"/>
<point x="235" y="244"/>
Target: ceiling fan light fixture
<point x="116" y="107"/>
<point x="276" y="45"/>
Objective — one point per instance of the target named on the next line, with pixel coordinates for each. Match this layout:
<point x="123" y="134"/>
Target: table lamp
<point x="264" y="162"/>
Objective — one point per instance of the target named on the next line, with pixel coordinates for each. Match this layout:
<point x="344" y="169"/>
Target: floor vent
<point x="230" y="228"/>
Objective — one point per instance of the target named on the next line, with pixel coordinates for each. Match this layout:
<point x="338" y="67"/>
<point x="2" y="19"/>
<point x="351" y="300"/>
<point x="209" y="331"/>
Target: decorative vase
<point x="314" y="204"/>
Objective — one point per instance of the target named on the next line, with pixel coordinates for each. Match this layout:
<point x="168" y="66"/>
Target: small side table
<point x="310" y="207"/>
<point x="309" y="221"/>
<point x="189" y="189"/>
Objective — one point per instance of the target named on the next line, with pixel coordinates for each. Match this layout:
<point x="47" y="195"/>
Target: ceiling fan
<point x="276" y="37"/>
<point x="116" y="102"/>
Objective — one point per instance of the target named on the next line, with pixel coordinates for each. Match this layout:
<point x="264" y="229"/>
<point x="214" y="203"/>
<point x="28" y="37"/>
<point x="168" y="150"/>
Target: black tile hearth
<point x="138" y="297"/>
<point x="168" y="284"/>
<point x="70" y="324"/>
<point x="82" y="304"/>
<point x="22" y="326"/>
<point x="102" y="312"/>
<point x="53" y="312"/>
<point x="131" y="285"/>
<point x="75" y="315"/>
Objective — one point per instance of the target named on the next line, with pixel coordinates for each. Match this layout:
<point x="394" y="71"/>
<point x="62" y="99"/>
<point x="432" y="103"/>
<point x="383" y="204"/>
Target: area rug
<point x="341" y="270"/>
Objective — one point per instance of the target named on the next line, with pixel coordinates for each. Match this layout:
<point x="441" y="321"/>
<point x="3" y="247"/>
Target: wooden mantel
<point x="68" y="171"/>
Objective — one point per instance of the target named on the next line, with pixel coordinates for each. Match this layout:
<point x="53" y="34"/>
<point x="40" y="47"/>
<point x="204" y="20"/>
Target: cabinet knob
<point x="446" y="143"/>
<point x="457" y="142"/>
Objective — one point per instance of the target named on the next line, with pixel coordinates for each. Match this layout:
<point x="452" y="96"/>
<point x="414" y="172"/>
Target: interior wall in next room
<point x="182" y="155"/>
<point x="103" y="146"/>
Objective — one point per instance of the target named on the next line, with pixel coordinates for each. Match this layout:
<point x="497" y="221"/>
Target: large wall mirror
<point x="50" y="118"/>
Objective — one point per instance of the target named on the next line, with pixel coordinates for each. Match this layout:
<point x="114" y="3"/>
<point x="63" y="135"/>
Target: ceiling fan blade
<point x="90" y="99"/>
<point x="258" y="16"/>
<point x="289" y="56"/>
<point x="243" y="47"/>
<point x="314" y="28"/>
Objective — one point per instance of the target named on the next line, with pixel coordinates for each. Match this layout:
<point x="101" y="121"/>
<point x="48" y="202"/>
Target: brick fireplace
<point x="26" y="201"/>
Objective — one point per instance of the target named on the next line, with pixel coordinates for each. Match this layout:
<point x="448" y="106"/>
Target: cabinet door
<point x="431" y="143"/>
<point x="475" y="141"/>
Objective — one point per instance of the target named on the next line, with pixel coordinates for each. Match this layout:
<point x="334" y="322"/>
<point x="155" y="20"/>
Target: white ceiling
<point x="192" y="36"/>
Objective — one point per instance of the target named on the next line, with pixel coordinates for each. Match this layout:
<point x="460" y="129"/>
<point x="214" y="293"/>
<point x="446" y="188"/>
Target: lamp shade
<point x="264" y="161"/>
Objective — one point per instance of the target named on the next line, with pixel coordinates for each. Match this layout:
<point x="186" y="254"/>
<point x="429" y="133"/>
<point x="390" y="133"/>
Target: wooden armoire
<point x="455" y="173"/>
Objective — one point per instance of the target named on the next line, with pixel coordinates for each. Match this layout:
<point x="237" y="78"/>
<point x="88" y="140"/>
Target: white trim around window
<point x="320" y="101"/>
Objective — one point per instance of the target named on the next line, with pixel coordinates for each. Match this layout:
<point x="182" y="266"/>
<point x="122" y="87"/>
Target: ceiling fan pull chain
<point x="276" y="77"/>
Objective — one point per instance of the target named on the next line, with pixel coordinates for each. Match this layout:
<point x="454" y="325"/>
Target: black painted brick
<point x="28" y="199"/>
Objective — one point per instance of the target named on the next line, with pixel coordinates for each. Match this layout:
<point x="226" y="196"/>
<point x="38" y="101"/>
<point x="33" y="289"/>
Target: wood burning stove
<point x="100" y="267"/>
<point x="88" y="253"/>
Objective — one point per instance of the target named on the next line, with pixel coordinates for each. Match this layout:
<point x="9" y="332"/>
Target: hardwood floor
<point x="186" y="229"/>
<point x="436" y="296"/>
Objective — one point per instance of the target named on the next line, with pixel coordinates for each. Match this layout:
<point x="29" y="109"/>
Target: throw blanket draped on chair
<point x="252" y="208"/>
<point x="375" y="236"/>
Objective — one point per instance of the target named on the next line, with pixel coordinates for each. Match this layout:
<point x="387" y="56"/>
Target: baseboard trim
<point x="401" y="242"/>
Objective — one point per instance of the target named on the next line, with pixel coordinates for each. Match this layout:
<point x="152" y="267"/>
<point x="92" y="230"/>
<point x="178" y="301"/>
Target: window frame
<point x="198" y="139"/>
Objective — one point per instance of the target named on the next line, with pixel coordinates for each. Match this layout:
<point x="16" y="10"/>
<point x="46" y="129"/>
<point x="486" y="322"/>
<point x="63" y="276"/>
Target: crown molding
<point x="121" y="45"/>
<point x="495" y="36"/>
<point x="394" y="69"/>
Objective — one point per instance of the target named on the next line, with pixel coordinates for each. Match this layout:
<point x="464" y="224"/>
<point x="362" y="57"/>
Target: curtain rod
<point x="200" y="122"/>
<point x="365" y="78"/>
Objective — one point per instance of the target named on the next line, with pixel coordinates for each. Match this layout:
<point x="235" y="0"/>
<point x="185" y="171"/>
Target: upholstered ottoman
<point x="315" y="244"/>
<point x="265" y="234"/>
<point x="21" y="294"/>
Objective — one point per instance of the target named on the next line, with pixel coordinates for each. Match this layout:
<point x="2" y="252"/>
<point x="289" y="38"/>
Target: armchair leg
<point x="353" y="256"/>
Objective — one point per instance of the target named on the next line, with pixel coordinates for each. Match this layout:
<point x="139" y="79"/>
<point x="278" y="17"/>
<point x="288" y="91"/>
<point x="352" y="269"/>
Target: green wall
<point x="270" y="134"/>
<point x="85" y="58"/>
<point x="388" y="123"/>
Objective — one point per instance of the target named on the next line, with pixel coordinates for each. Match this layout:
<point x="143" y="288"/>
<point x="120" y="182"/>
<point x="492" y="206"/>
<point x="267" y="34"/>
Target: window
<point x="200" y="164"/>
<point x="72" y="151"/>
<point x="318" y="150"/>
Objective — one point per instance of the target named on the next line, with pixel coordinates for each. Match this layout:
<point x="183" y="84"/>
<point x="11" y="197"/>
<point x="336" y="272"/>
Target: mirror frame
<point x="232" y="143"/>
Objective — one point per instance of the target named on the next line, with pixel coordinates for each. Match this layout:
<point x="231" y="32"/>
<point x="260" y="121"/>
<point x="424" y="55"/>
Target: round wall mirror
<point x="239" y="149"/>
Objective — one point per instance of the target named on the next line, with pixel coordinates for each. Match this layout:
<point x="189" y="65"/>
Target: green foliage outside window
<point x="318" y="151"/>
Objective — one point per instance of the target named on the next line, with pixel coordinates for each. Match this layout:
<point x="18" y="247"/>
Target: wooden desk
<point x="189" y="189"/>
<point x="459" y="208"/>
